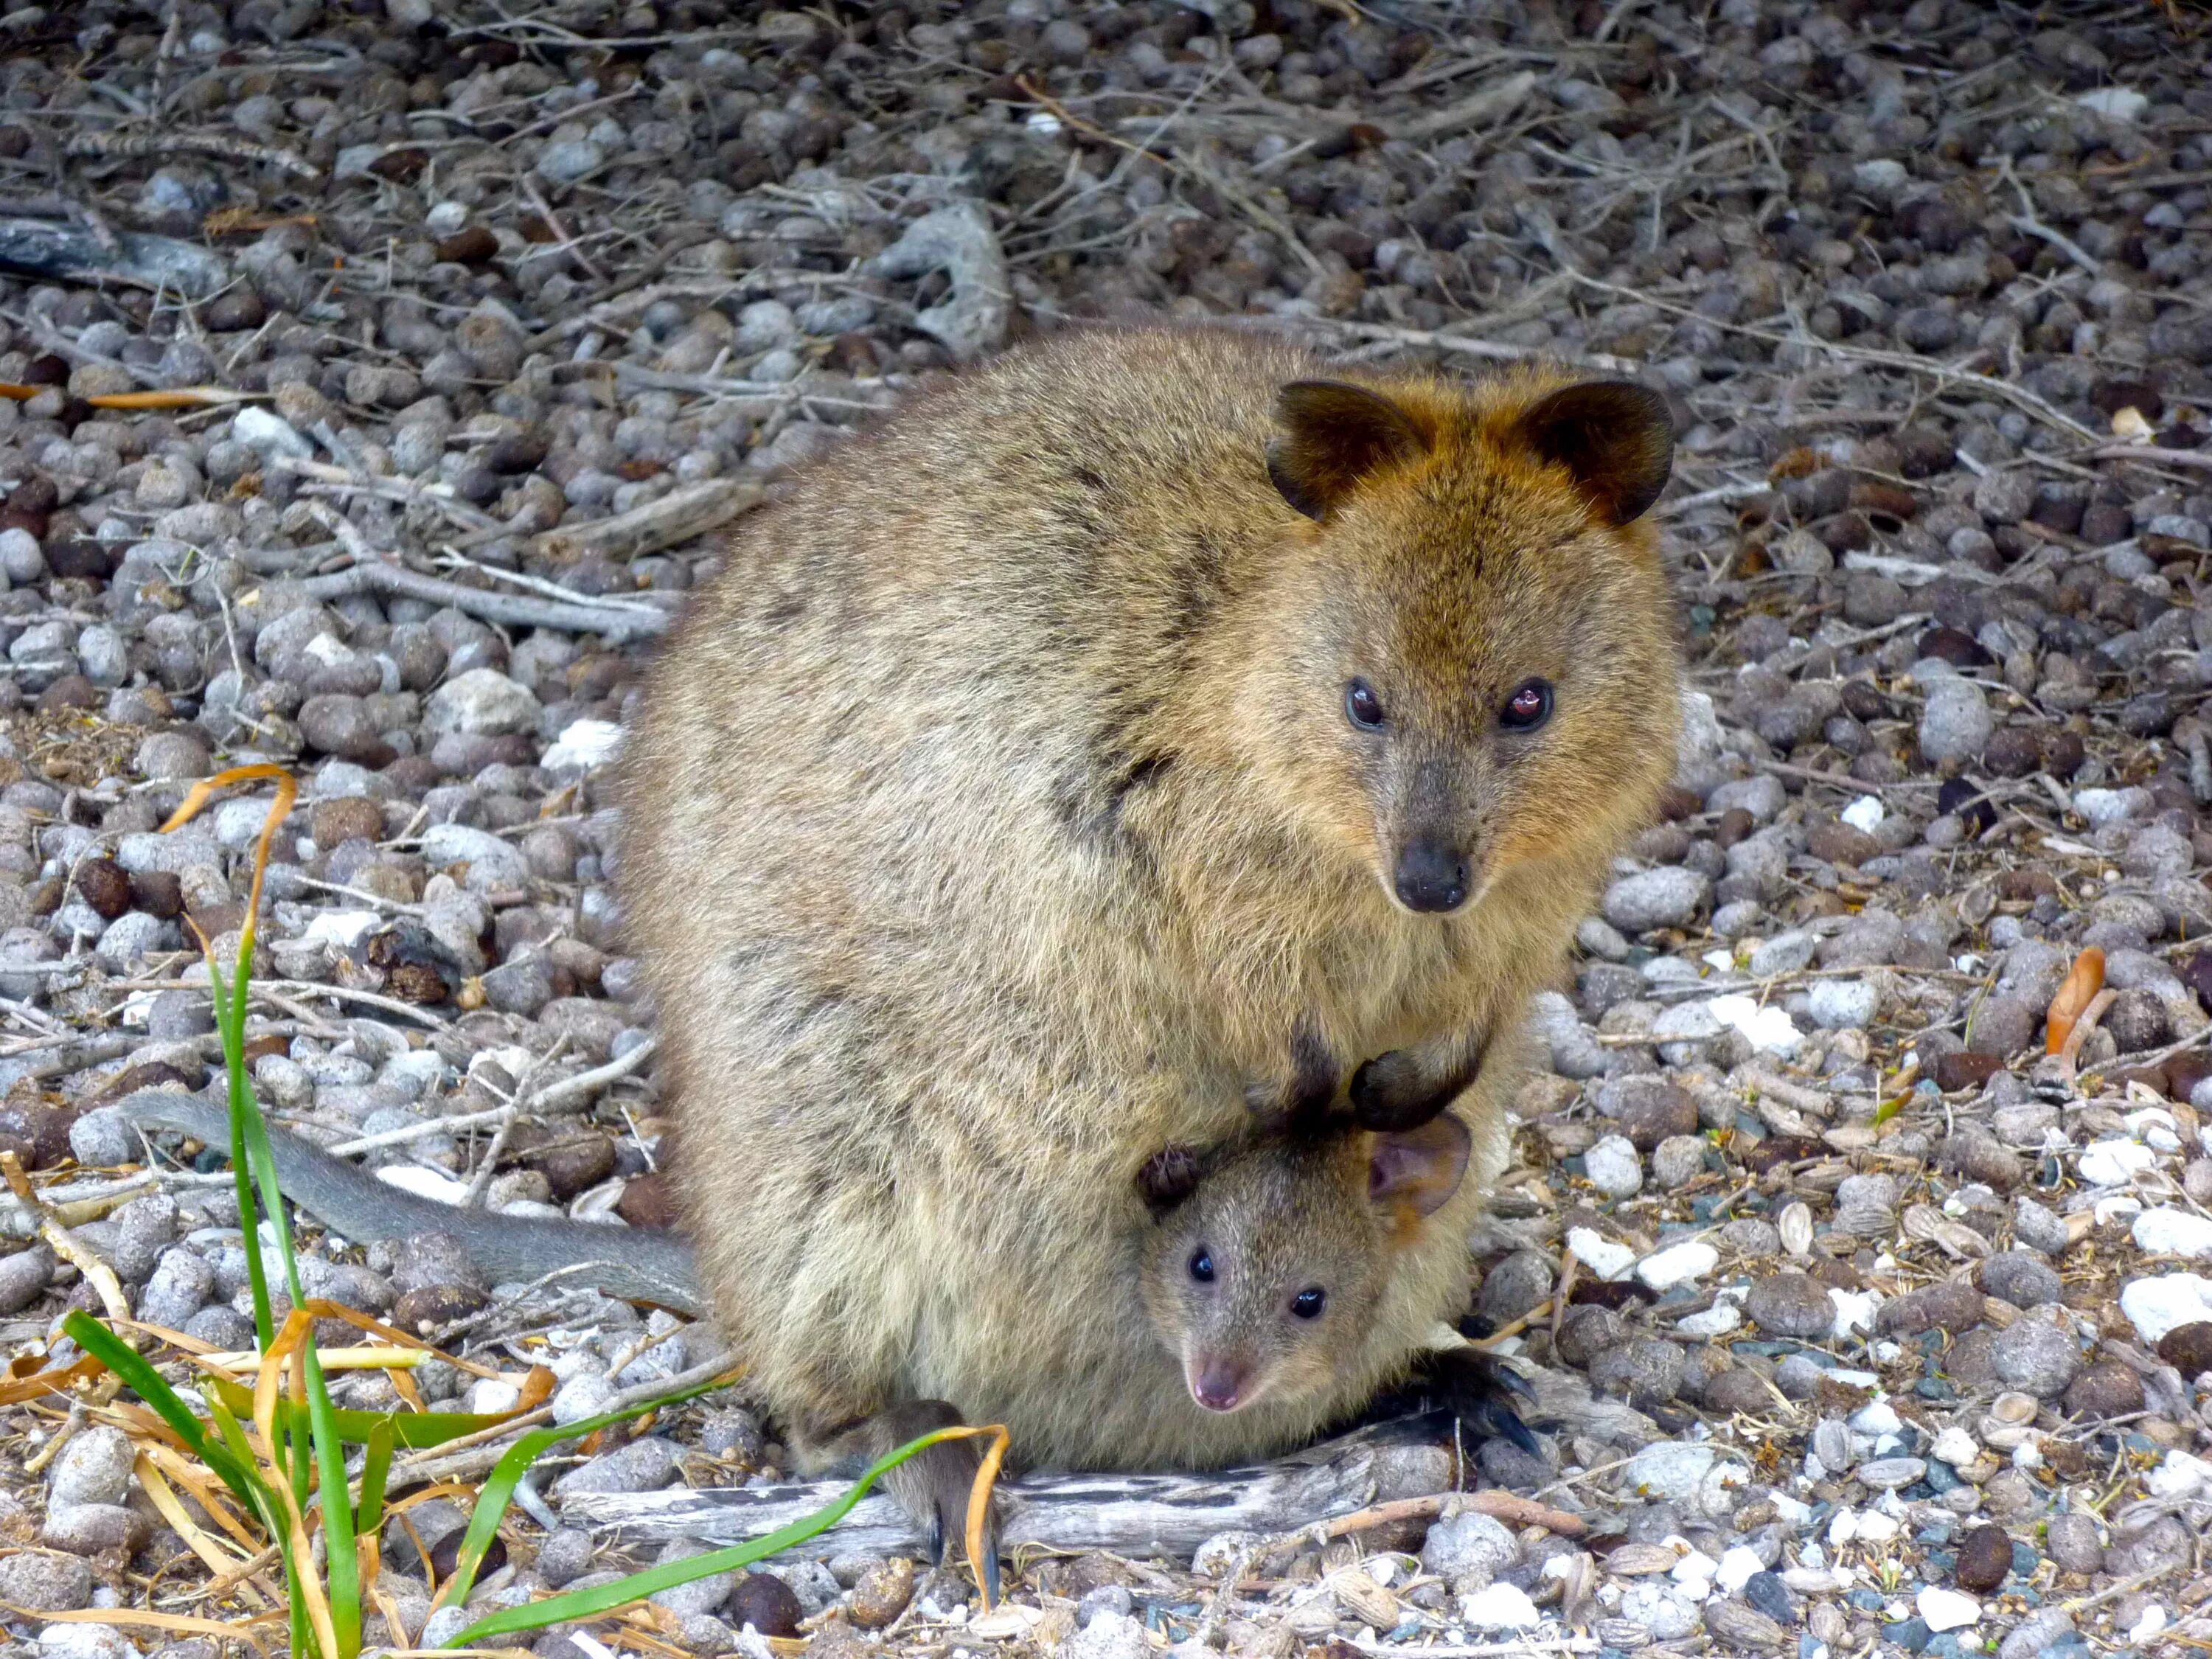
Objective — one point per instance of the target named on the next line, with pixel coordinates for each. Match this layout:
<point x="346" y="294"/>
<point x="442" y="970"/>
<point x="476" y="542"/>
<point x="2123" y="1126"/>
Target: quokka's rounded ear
<point x="1167" y="1178"/>
<point x="1614" y="436"/>
<point x="1334" y="435"/>
<point x="1418" y="1169"/>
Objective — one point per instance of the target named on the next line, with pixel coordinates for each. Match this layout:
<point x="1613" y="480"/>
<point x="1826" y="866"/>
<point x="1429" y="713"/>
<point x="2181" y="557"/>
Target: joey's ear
<point x="1419" y="1169"/>
<point x="1334" y="435"/>
<point x="1167" y="1176"/>
<point x="1613" y="436"/>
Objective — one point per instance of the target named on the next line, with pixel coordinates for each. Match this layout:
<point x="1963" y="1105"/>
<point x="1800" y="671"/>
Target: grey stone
<point x="2021" y="1277"/>
<point x="46" y="1583"/>
<point x="2005" y="495"/>
<point x="1515" y="1285"/>
<point x="1677" y="1161"/>
<point x="1670" y="896"/>
<point x="23" y="1276"/>
<point x="493" y="863"/>
<point x="425" y="1260"/>
<point x="2036" y="1358"/>
<point x="2074" y="1542"/>
<point x="1469" y="1551"/>
<point x="1613" y="1167"/>
<point x="1955" y="723"/>
<point x="178" y="1287"/>
<point x="143" y="1229"/>
<point x="481" y="702"/>
<point x="103" y="1138"/>
<point x="643" y="1465"/>
<point x="2038" y="1227"/>
<point x="1790" y="1304"/>
<point x="94" y="1468"/>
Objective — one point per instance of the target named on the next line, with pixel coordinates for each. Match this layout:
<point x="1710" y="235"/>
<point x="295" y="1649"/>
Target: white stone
<point x="2173" y="1232"/>
<point x="1947" y="1609"/>
<point x="2180" y="1475"/>
<point x="1877" y="1419"/>
<point x="1863" y="814"/>
<point x="1855" y="1312"/>
<point x="2114" y="103"/>
<point x="342" y="928"/>
<point x="1717" y="1321"/>
<point x="1601" y="1255"/>
<point x="1701" y="727"/>
<point x="1736" y="1568"/>
<point x="1694" y="1573"/>
<point x="2153" y="1621"/>
<point x="1499" y="1607"/>
<point x="1678" y="1264"/>
<point x="583" y="744"/>
<point x="1839" y="1004"/>
<point x="1955" y="1446"/>
<point x="1767" y="1027"/>
<point x="2114" y="1162"/>
<point x="269" y="434"/>
<point x="1876" y="1528"/>
<point x="2109" y="806"/>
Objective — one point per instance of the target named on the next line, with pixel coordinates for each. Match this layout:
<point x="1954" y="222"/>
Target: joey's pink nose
<point x="1217" y="1384"/>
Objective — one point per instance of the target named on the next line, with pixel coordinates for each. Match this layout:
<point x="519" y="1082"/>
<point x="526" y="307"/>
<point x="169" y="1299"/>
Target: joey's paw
<point x="933" y="1487"/>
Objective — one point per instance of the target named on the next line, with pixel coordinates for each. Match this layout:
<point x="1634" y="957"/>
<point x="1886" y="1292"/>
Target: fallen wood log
<point x="1139" y="1515"/>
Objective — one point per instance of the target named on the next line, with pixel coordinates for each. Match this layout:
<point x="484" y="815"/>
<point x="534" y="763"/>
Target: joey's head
<point x="1265" y="1265"/>
<point x="1468" y="661"/>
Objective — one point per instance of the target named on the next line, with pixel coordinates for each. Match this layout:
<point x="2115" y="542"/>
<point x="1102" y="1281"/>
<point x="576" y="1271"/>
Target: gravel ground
<point x="1866" y="1322"/>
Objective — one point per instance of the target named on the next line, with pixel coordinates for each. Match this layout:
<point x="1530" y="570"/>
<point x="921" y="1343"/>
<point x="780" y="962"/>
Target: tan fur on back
<point x="977" y="847"/>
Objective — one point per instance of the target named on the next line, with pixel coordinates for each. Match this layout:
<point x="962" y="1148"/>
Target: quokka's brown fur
<point x="994" y="819"/>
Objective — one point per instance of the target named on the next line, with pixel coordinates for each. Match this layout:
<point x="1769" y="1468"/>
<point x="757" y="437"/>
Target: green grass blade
<point x="605" y="1598"/>
<point x="498" y="1492"/>
<point x="414" y="1429"/>
<point x="149" y="1384"/>
<point x="230" y="1025"/>
<point x="342" y="1564"/>
<point x="375" y="1470"/>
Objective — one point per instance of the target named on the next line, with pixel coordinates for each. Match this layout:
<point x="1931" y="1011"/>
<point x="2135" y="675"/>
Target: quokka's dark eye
<point x="1528" y="708"/>
<point x="1362" y="706"/>
<point x="1308" y="1302"/>
<point x="1201" y="1266"/>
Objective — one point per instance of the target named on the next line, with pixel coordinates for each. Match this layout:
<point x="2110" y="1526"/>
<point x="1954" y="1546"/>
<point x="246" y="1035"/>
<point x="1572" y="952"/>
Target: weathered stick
<point x="374" y="575"/>
<point x="676" y="517"/>
<point x="1139" y="1515"/>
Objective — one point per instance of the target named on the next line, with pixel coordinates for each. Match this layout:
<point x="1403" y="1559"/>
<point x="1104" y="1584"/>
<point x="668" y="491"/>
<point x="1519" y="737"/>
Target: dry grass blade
<point x="2078" y="990"/>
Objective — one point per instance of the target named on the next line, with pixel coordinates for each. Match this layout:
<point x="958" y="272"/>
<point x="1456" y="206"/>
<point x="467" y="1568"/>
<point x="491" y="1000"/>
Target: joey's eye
<point x="1362" y="706"/>
<point x="1528" y="708"/>
<point x="1201" y="1266"/>
<point x="1307" y="1303"/>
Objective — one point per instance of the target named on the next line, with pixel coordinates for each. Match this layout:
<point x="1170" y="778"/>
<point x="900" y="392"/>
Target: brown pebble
<point x="105" y="886"/>
<point x="648" y="1201"/>
<point x="344" y="819"/>
<point x="1840" y="843"/>
<point x="470" y="246"/>
<point x="158" y="893"/>
<point x="765" y="1602"/>
<point x="1952" y="1306"/>
<point x="1732" y="826"/>
<point x="436" y="1305"/>
<point x="69" y="691"/>
<point x="1985" y="1559"/>
<point x="883" y="1592"/>
<point x="1965" y="1069"/>
<point x="2107" y="1388"/>
<point x="2188" y="1349"/>
<point x="573" y="1164"/>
